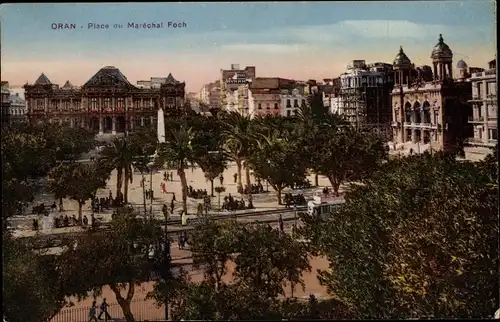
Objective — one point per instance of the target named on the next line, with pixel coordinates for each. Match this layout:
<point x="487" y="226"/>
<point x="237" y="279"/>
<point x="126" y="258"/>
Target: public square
<point x="195" y="178"/>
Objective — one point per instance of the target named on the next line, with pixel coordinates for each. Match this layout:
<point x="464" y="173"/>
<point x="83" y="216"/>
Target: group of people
<point x="168" y="176"/>
<point x="197" y="193"/>
<point x="296" y="200"/>
<point x="165" y="207"/>
<point x="100" y="204"/>
<point x="231" y="204"/>
<point x="104" y="310"/>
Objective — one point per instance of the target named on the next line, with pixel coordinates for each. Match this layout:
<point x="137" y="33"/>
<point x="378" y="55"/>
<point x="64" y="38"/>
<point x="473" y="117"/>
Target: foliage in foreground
<point x="419" y="239"/>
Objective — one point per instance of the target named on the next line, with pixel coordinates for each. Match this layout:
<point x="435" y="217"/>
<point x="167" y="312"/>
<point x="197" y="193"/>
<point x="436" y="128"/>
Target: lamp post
<point x="295" y="220"/>
<point x="150" y="167"/>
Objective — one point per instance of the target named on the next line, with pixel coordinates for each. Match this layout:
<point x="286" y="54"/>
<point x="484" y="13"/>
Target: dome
<point x="441" y="50"/>
<point x="461" y="64"/>
<point x="401" y="59"/>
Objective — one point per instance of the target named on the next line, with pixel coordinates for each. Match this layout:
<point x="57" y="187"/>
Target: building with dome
<point x="430" y="108"/>
<point x="106" y="104"/>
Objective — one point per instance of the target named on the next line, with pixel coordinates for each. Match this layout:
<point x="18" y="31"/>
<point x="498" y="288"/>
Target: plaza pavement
<point x="195" y="178"/>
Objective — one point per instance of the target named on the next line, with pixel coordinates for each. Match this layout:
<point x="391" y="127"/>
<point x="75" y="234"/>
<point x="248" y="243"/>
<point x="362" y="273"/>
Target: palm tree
<point x="177" y="151"/>
<point x="120" y="155"/>
<point x="240" y="136"/>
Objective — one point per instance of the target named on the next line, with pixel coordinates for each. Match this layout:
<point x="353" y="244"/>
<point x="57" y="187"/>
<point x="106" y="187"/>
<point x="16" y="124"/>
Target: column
<point x="404" y="133"/>
<point x="113" y="126"/>
<point x="46" y="104"/>
<point x="71" y="122"/>
<point x="152" y="121"/>
<point x="113" y="105"/>
<point x="413" y="136"/>
<point x="142" y="121"/>
<point x="83" y="122"/>
<point x="101" y="125"/>
<point x="131" y="122"/>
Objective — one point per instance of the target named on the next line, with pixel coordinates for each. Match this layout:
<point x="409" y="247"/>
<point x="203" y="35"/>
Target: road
<point x="43" y="241"/>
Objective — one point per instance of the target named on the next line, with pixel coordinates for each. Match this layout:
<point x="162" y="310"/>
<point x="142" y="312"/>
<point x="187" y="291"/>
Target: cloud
<point x="267" y="48"/>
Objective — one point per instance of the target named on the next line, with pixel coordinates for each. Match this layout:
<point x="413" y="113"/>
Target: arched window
<point x="275" y="106"/>
<point x="259" y="106"/>
<point x="417" y="113"/>
<point x="407" y="112"/>
<point x="427" y="113"/>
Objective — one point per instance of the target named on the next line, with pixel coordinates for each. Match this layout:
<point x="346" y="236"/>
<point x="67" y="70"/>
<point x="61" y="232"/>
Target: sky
<point x="297" y="40"/>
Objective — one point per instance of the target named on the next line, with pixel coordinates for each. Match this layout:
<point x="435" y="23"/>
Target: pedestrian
<point x="53" y="207"/>
<point x="181" y="240"/>
<point x="235" y="176"/>
<point x="35" y="224"/>
<point x="93" y="312"/>
<point x="281" y="225"/>
<point x="172" y="206"/>
<point x="173" y="196"/>
<point x="164" y="188"/>
<point x="104" y="309"/>
<point x="165" y="177"/>
<point x="171" y="176"/>
<point x="221" y="178"/>
<point x="184" y="219"/>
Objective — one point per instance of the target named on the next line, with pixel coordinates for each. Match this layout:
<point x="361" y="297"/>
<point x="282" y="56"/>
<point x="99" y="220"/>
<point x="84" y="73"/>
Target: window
<point x="492" y="88"/>
<point x="93" y="105"/>
<point x="107" y="103"/>
<point x="288" y="104"/>
<point x="268" y="107"/>
<point x="493" y="134"/>
<point x="259" y="106"/>
<point x="295" y="103"/>
<point x="479" y="90"/>
<point x="77" y="106"/>
<point x="170" y="101"/>
<point x="275" y="106"/>
<point x="66" y="106"/>
<point x="56" y="105"/>
<point x="288" y="113"/>
<point x="120" y="106"/>
<point x="303" y="103"/>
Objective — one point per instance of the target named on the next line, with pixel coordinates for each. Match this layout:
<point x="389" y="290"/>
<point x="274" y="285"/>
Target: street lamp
<point x="295" y="219"/>
<point x="150" y="167"/>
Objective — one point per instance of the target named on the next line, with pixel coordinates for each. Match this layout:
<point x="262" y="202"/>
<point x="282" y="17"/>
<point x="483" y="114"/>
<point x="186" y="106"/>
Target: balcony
<point x="396" y="124"/>
<point x="426" y="125"/>
<point x="479" y="119"/>
<point x="407" y="123"/>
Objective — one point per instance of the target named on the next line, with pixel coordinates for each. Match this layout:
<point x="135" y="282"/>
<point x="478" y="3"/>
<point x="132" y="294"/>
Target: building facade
<point x="365" y="95"/>
<point x="5" y="102"/>
<point x="265" y="96"/>
<point x="429" y="107"/>
<point x="292" y="99"/>
<point x="106" y="103"/>
<point x="18" y="109"/>
<point x="231" y="81"/>
<point x="485" y="107"/>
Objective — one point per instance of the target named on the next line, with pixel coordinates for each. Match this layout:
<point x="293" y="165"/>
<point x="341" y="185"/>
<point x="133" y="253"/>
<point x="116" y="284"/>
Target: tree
<point x="212" y="165"/>
<point x="68" y="143"/>
<point x="240" y="138"/>
<point x="131" y="248"/>
<point x="120" y="155"/>
<point x="348" y="155"/>
<point x="59" y="176"/>
<point x="82" y="181"/>
<point x="418" y="239"/>
<point x="33" y="289"/>
<point x="267" y="260"/>
<point x="219" y="190"/>
<point x="179" y="152"/>
<point x="272" y="162"/>
<point x="212" y="246"/>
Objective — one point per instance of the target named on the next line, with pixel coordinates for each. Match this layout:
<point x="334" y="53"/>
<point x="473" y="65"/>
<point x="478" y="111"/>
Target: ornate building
<point x="430" y="109"/>
<point x="5" y="102"/>
<point x="106" y="103"/>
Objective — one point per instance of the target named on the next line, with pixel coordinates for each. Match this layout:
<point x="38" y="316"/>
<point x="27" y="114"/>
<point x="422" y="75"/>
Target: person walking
<point x="104" y="309"/>
<point x="93" y="312"/>
<point x="221" y="178"/>
<point x="281" y="225"/>
<point x="235" y="176"/>
<point x="172" y="206"/>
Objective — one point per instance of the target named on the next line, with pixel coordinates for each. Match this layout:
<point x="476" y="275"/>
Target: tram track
<point x="57" y="239"/>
